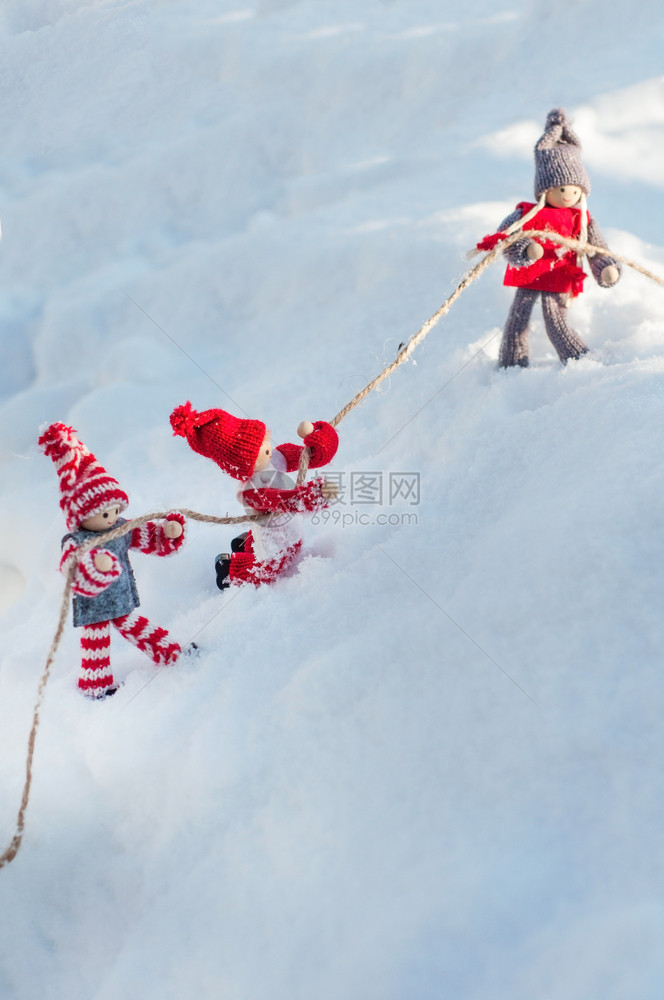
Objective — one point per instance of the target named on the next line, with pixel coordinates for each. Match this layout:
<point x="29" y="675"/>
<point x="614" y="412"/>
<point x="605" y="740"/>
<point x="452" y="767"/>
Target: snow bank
<point x="428" y="764"/>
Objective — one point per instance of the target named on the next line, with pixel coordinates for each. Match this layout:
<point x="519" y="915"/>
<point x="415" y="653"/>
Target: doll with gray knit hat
<point x="545" y="268"/>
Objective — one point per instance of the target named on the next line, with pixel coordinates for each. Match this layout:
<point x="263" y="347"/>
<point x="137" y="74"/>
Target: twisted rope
<point x="12" y="850"/>
<point x="403" y="355"/>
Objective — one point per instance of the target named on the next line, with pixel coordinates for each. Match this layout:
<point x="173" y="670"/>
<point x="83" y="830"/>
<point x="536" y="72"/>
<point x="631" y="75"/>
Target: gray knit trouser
<point x="514" y="345"/>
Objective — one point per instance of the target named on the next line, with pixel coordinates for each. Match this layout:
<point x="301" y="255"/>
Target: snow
<point x="429" y="763"/>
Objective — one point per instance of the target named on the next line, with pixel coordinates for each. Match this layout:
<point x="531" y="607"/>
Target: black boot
<point x="237" y="545"/>
<point x="222" y="565"/>
<point x="108" y="693"/>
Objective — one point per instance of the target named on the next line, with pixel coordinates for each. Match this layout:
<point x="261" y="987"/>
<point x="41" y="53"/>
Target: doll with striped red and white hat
<point x="103" y="584"/>
<point x="242" y="448"/>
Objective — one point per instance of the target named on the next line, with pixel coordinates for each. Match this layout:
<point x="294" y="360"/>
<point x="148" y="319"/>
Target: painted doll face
<point x="103" y="521"/>
<point x="564" y="197"/>
<point x="264" y="454"/>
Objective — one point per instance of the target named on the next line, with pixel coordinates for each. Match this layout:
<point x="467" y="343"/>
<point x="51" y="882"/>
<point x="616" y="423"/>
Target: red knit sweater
<point x="556" y="270"/>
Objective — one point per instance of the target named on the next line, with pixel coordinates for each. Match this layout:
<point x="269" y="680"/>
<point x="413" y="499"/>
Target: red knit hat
<point x="230" y="442"/>
<point x="87" y="489"/>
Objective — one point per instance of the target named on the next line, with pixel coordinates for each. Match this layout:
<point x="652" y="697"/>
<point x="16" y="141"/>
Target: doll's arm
<point x="605" y="269"/>
<point x="307" y="497"/>
<point x="323" y="442"/>
<point x="89" y="580"/>
<point x="159" y="539"/>
<point x="523" y="252"/>
<point x="518" y="254"/>
<point x="511" y="219"/>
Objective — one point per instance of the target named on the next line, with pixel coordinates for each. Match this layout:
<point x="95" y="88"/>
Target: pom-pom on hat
<point x="87" y="488"/>
<point x="558" y="156"/>
<point x="229" y="441"/>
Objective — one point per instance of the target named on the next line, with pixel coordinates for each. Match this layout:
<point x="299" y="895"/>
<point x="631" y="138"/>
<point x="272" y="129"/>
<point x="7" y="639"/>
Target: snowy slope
<point x="428" y="765"/>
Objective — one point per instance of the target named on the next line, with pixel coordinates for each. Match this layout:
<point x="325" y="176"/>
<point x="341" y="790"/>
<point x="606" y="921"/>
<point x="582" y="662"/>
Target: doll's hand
<point x="609" y="275"/>
<point x="329" y="490"/>
<point x="172" y="529"/>
<point x="534" y="251"/>
<point x="103" y="562"/>
<point x="320" y="438"/>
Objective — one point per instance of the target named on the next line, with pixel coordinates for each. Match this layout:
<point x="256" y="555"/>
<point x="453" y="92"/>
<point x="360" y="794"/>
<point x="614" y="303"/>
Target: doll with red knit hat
<point x="103" y="584"/>
<point x="242" y="449"/>
<point x="543" y="268"/>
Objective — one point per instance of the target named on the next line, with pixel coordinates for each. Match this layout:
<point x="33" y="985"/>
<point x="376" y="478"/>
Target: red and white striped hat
<point x="87" y="489"/>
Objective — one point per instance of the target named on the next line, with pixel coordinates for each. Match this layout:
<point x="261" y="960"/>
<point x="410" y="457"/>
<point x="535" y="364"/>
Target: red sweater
<point x="322" y="443"/>
<point x="556" y="270"/>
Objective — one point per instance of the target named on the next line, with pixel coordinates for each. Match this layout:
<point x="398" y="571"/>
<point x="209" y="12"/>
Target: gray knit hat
<point x="558" y="156"/>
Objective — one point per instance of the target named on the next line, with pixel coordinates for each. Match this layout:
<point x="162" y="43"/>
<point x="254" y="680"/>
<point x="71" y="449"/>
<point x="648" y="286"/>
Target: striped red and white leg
<point x="151" y="639"/>
<point x="96" y="679"/>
